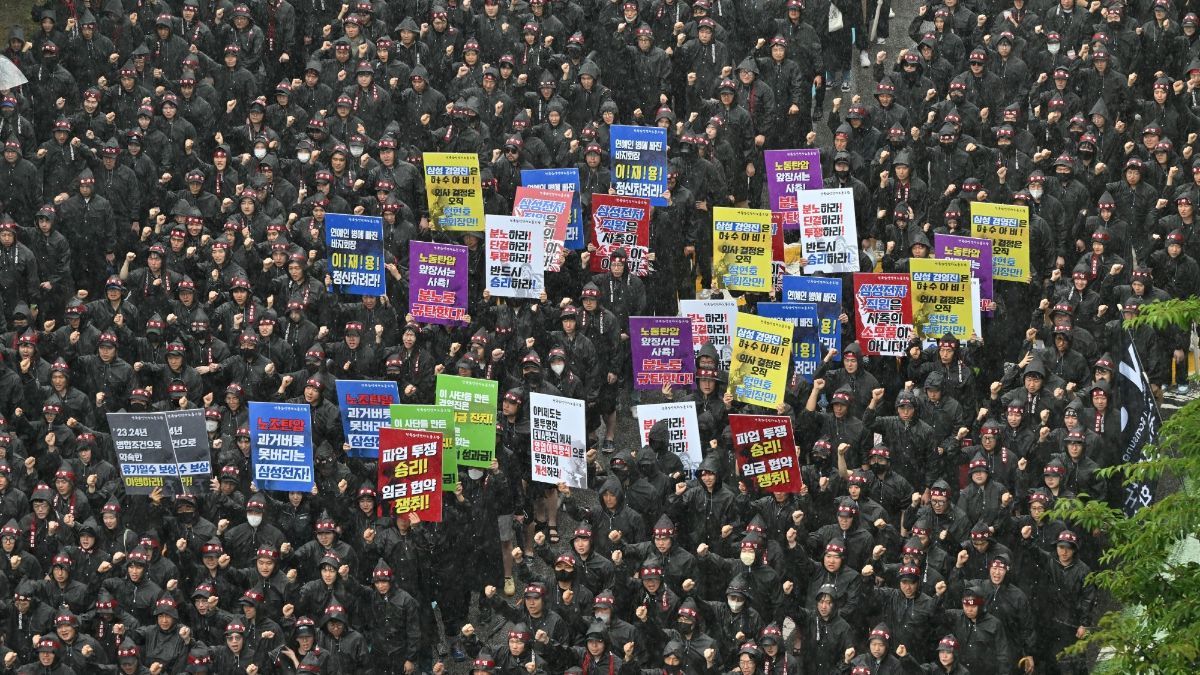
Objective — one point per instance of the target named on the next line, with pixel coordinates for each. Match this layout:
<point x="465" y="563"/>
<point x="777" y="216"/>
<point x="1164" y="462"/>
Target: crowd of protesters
<point x="166" y="177"/>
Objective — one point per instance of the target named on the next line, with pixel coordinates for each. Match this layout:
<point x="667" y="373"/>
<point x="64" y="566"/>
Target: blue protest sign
<point x="563" y="180"/>
<point x="826" y="294"/>
<point x="281" y="450"/>
<point x="355" y="246"/>
<point x="366" y="406"/>
<point x="639" y="162"/>
<point x="806" y="343"/>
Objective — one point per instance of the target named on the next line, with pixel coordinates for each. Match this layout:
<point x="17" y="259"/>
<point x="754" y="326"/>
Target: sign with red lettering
<point x="766" y="452"/>
<point x="410" y="473"/>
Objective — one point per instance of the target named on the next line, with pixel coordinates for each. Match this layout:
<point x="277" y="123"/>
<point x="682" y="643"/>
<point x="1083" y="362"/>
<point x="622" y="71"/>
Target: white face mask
<point x="1053" y="47"/>
<point x="475" y="474"/>
<point x="211" y="426"/>
<point x="735" y="605"/>
<point x="747" y="557"/>
<point x="1036" y="194"/>
<point x="303" y="157"/>
<point x="259" y="153"/>
<point x="605" y="617"/>
<point x="254" y="519"/>
<point x="356" y="150"/>
<point x="558" y="368"/>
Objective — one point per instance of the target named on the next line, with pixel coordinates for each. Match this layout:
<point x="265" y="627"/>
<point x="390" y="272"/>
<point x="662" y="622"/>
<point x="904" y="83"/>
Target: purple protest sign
<point x="975" y="250"/>
<point x="662" y="351"/>
<point x="788" y="172"/>
<point x="437" y="282"/>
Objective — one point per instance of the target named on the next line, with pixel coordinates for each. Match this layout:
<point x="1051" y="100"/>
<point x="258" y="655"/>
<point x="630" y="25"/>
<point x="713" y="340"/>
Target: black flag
<point x="1140" y="420"/>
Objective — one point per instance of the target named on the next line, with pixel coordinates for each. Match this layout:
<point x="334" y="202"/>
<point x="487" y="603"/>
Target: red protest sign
<point x="766" y="452"/>
<point x="410" y="473"/>
<point x="621" y="222"/>
<point x="554" y="208"/>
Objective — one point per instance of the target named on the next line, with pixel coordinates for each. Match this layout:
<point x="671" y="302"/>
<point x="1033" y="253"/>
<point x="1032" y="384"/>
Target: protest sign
<point x="621" y="222"/>
<point x="409" y="473"/>
<point x="761" y="351"/>
<point x="453" y="190"/>
<point x="561" y="180"/>
<point x="475" y="403"/>
<point x="436" y="418"/>
<point x="975" y="250"/>
<point x="516" y="257"/>
<point x="365" y="407"/>
<point x="826" y="294"/>
<point x="766" y="452"/>
<point x="662" y="352"/>
<point x="882" y="303"/>
<point x="553" y="209"/>
<point x="281" y="449"/>
<point x="790" y="172"/>
<point x="355" y="245"/>
<point x="941" y="298"/>
<point x="712" y="323"/>
<point x="437" y="282"/>
<point x="144" y="452"/>
<point x="639" y="162"/>
<point x="558" y="440"/>
<point x="189" y="441"/>
<point x="683" y="430"/>
<point x="1007" y="225"/>
<point x="806" y="338"/>
<point x="742" y="249"/>
<point x="828" y="233"/>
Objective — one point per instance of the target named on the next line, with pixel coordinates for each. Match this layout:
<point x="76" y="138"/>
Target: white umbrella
<point x="11" y="76"/>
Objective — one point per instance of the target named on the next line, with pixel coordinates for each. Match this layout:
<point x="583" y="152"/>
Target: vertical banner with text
<point x="661" y="347"/>
<point x="639" y="162"/>
<point x="806" y="340"/>
<point x="435" y="418"/>
<point x="712" y="324"/>
<point x="516" y="257"/>
<point x="761" y="350"/>
<point x="975" y="250"/>
<point x="355" y="245"/>
<point x="828" y="232"/>
<point x="788" y="173"/>
<point x="558" y="432"/>
<point x="554" y="210"/>
<point x="281" y="446"/>
<point x="561" y="180"/>
<point x="883" y="306"/>
<point x="683" y="430"/>
<point x="1007" y="225"/>
<point x="453" y="190"/>
<point x="437" y="288"/>
<point x="941" y="298"/>
<point x="193" y="453"/>
<point x="475" y="402"/>
<point x="365" y="406"/>
<point x="410" y="473"/>
<point x="826" y="294"/>
<point x="621" y="222"/>
<point x="766" y="452"/>
<point x="144" y="453"/>
<point x="742" y="249"/>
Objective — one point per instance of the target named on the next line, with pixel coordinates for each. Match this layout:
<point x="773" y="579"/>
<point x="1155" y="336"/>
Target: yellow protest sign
<point x="742" y="249"/>
<point x="941" y="298"/>
<point x="761" y="350"/>
<point x="453" y="190"/>
<point x="1007" y="226"/>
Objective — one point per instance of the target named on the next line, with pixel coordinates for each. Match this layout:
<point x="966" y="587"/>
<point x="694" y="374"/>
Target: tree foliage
<point x="1154" y="627"/>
